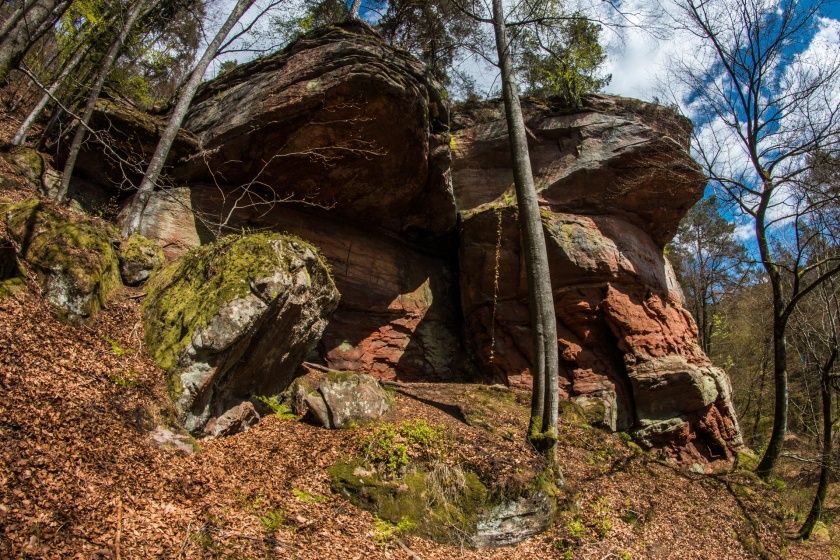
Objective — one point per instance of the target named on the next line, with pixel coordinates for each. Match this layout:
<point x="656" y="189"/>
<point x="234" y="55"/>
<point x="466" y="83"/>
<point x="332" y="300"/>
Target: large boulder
<point x="233" y="320"/>
<point x="71" y="255"/>
<point x="614" y="181"/>
<point x="611" y="156"/>
<point x="339" y="119"/>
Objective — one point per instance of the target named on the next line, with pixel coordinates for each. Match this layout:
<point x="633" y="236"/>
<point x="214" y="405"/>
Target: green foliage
<point x="564" y="62"/>
<point x="308" y="497"/>
<point x="272" y="520"/>
<point x="385" y="531"/>
<point x="392" y="447"/>
<point x="437" y="501"/>
<point x="280" y="409"/>
<point x="116" y="349"/>
<point x="127" y="380"/>
<point x="576" y="528"/>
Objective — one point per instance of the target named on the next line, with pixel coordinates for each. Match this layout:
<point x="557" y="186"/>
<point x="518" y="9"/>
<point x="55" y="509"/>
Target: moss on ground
<point x="54" y="243"/>
<point x="436" y="501"/>
<point x="11" y="286"/>
<point x="186" y="294"/>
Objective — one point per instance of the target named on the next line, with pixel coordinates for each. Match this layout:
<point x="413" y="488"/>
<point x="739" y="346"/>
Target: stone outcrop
<point x="232" y="320"/>
<point x="615" y="179"/>
<point x="348" y="139"/>
<point x="339" y="399"/>
<point x="72" y="256"/>
<point x="343" y="121"/>
<point x="345" y="142"/>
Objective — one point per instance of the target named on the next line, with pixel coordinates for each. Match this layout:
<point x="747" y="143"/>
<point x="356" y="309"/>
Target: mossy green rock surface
<point x="233" y="320"/>
<point x="72" y="256"/>
<point x="139" y="257"/>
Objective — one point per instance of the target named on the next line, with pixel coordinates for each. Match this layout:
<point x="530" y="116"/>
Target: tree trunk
<point x="14" y="18"/>
<point x="354" y="9"/>
<point x="137" y="9"/>
<point x="135" y="212"/>
<point x="780" y="381"/>
<point x="542" y="431"/>
<point x="28" y="28"/>
<point x="825" y="462"/>
<point x="69" y="67"/>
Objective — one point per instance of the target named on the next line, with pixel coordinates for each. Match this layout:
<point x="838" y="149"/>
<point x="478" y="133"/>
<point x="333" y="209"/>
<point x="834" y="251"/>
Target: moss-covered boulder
<point x="72" y="256"/>
<point x="139" y="257"/>
<point x="34" y="168"/>
<point x="233" y="320"/>
<point x="406" y="476"/>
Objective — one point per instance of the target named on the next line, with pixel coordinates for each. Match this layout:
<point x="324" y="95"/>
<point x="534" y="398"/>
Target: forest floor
<point x="81" y="477"/>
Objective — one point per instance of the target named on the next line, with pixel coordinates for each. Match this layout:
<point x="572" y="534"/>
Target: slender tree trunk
<point x="780" y="378"/>
<point x="135" y="212"/>
<point x="354" y="9"/>
<point x="106" y="63"/>
<point x="69" y="67"/>
<point x="544" y="402"/>
<point x="26" y="31"/>
<point x="825" y="462"/>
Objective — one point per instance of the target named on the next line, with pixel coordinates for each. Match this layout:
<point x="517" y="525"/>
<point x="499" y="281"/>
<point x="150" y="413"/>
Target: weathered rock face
<point x="614" y="185"/>
<point x="233" y="320"/>
<point x="342" y="120"/>
<point x="398" y="316"/>
<point x="73" y="257"/>
<point x="345" y="142"/>
<point x="339" y="399"/>
<point x="357" y="129"/>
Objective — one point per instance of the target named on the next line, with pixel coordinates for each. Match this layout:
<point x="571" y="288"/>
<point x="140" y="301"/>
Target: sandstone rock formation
<point x="72" y="256"/>
<point x="345" y="142"/>
<point x="357" y="131"/>
<point x="615" y="179"/>
<point x="232" y="320"/>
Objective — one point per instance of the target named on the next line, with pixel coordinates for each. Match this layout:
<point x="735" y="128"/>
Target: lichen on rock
<point x="233" y="320"/>
<point x="71" y="255"/>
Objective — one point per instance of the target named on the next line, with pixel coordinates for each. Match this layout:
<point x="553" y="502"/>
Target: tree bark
<point x="780" y="377"/>
<point x="26" y="30"/>
<point x="137" y="9"/>
<point x="542" y="431"/>
<point x="134" y="216"/>
<point x="354" y="9"/>
<point x="825" y="462"/>
<point x="69" y="67"/>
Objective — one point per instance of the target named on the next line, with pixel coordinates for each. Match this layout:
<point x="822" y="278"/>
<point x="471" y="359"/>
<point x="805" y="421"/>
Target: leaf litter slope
<point x="80" y="476"/>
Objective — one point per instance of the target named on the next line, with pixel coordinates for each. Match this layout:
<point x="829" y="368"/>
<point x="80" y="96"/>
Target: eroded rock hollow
<point x="345" y="142"/>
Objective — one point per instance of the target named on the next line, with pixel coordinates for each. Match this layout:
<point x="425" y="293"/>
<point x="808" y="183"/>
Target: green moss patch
<point x="68" y="251"/>
<point x="186" y="294"/>
<point x="11" y="286"/>
<point x="436" y="501"/>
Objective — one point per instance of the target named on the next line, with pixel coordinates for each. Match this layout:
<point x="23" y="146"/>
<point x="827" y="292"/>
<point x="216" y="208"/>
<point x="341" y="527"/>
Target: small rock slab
<point x="340" y="399"/>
